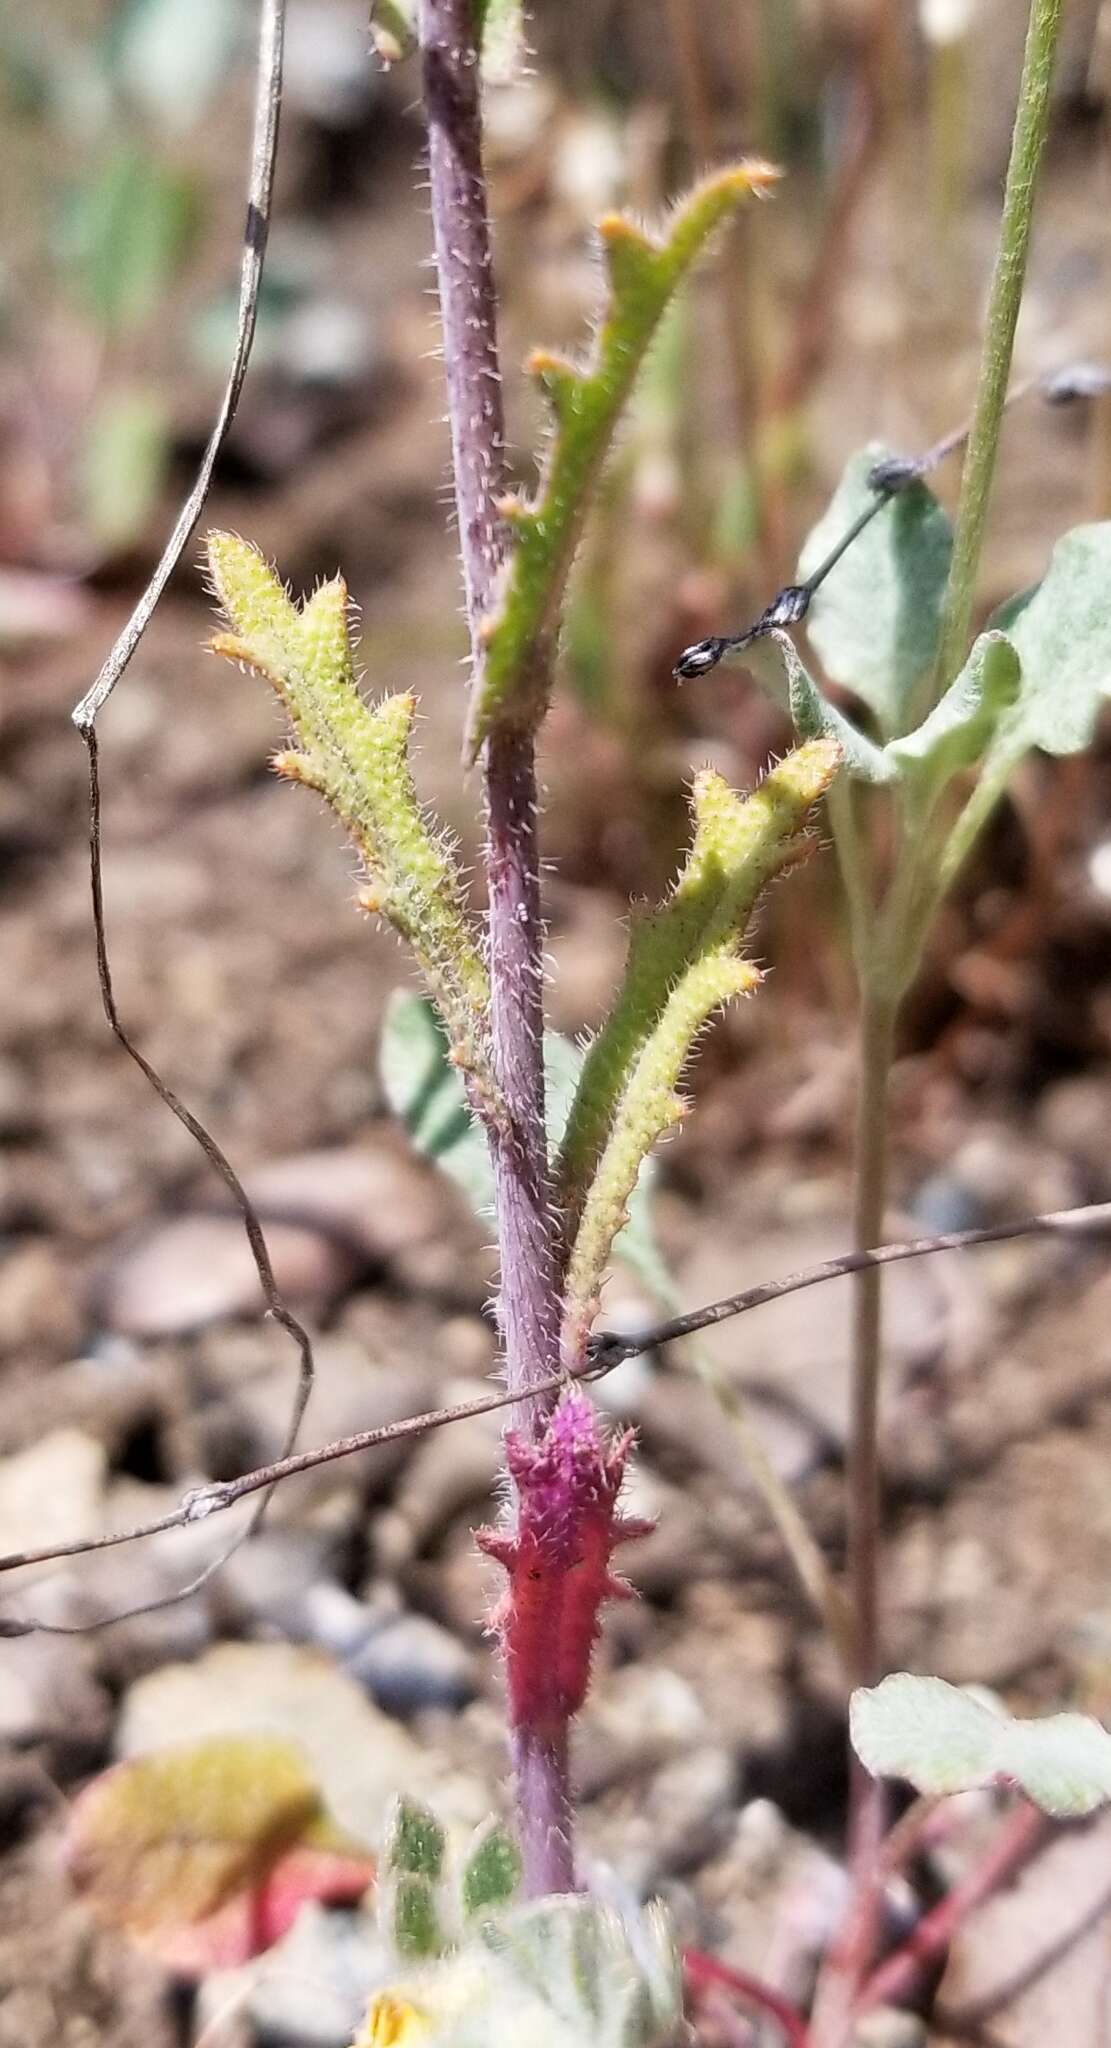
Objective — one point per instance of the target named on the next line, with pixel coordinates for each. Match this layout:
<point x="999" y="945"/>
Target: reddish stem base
<point x="703" y="1971"/>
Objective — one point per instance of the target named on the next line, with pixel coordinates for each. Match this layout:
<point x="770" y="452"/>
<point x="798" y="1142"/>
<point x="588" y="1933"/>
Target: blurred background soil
<point x="135" y="1361"/>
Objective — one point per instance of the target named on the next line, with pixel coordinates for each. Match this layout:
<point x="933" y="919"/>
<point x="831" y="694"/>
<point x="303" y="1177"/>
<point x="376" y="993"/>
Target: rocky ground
<point x="136" y="1363"/>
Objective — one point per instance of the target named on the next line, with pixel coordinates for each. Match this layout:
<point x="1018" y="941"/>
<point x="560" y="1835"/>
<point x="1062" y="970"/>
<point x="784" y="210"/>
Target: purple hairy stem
<point x="557" y="1558"/>
<point x="468" y="295"/>
<point x="528" y="1241"/>
<point x="530" y="1286"/>
<point x="545" y="1821"/>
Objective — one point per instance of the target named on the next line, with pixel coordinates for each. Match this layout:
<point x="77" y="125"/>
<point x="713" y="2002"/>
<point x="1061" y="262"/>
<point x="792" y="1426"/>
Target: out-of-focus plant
<point x="947" y="28"/>
<point x="126" y="224"/>
<point x="476" y="1965"/>
<point x="205" y="1853"/>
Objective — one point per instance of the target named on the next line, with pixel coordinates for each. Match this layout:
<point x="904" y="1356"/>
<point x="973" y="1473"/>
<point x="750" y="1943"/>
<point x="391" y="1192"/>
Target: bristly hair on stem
<point x="468" y="310"/>
<point x="527" y="1241"/>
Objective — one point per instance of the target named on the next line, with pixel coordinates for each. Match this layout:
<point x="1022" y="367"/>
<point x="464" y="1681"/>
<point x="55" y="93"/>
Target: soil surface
<point x="136" y="1362"/>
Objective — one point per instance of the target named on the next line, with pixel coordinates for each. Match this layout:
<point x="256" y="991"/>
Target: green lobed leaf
<point x="586" y="404"/>
<point x="357" y="757"/>
<point x="738" y="844"/>
<point x="876" y="619"/>
<point x="426" y="1093"/>
<point x="942" y="1740"/>
<point x="646" y="1106"/>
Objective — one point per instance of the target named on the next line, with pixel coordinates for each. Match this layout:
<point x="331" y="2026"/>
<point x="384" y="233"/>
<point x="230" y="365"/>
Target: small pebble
<point x="310" y="1991"/>
<point x="412" y="1663"/>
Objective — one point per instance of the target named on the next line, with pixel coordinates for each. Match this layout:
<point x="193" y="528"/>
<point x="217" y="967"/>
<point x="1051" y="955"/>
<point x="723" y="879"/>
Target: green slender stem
<point x="842" y="805"/>
<point x="802" y="1547"/>
<point x="1031" y="124"/>
<point x="969" y="824"/>
<point x="888" y="938"/>
<point x="877" y="1038"/>
<point x="851" y="1956"/>
<point x="879" y="1008"/>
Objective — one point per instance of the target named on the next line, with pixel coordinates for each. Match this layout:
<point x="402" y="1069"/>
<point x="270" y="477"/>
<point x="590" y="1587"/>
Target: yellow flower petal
<point x="392" y="2023"/>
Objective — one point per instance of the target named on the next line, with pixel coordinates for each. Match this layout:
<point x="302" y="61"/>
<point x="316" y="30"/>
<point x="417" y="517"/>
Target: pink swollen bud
<point x="558" y="1558"/>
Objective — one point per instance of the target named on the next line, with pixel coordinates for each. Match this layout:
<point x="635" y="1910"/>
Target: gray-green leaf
<point x="425" y="1092"/>
<point x="961" y="725"/>
<point x="774" y="661"/>
<point x="876" y="620"/>
<point x="942" y="1740"/>
<point x="1061" y="632"/>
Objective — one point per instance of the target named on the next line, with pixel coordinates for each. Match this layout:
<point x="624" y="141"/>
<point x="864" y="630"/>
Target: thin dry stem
<point x="264" y="150"/>
<point x="607" y="1350"/>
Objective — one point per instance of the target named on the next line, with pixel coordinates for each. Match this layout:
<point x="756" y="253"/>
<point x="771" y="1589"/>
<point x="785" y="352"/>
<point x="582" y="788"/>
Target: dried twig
<point x="1092" y="1221"/>
<point x="275" y="1303"/>
<point x="264" y="147"/>
<point x="607" y="1350"/>
<point x="264" y="140"/>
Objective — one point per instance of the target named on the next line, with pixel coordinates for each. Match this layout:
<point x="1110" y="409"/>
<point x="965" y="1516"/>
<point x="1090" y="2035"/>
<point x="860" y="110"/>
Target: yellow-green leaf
<point x="586" y="404"/>
<point x="206" y="1853"/>
<point x="356" y="755"/>
<point x="683" y="961"/>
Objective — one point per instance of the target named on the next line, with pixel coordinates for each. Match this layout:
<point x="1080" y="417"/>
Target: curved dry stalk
<point x="264" y="150"/>
<point x="607" y="1350"/>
